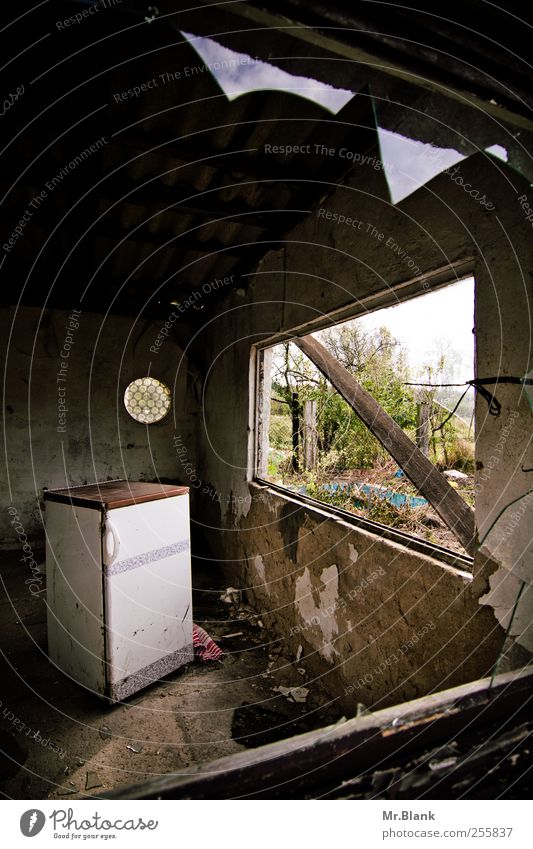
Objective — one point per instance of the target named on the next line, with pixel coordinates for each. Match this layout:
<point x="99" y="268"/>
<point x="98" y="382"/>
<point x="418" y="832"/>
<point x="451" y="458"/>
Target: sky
<point x="408" y="163"/>
<point x="236" y="78"/>
<point x="435" y="322"/>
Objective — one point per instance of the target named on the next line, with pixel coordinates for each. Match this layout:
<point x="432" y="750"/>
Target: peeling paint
<point x="321" y="614"/>
<point x="504" y="591"/>
<point x="259" y="567"/>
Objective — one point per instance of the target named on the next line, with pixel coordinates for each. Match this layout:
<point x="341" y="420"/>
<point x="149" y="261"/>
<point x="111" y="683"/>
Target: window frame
<point x="409" y="290"/>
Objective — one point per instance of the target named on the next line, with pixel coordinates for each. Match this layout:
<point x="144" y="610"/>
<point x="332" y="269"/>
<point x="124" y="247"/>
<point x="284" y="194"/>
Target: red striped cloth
<point x="204" y="647"/>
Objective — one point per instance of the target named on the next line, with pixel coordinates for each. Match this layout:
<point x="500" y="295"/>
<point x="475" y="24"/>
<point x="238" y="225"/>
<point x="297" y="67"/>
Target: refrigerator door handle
<point x="111" y="543"/>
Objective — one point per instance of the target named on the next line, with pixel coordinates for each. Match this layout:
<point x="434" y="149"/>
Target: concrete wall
<point x="504" y="448"/>
<point x="95" y="439"/>
<point x="330" y="266"/>
<point x="379" y="622"/>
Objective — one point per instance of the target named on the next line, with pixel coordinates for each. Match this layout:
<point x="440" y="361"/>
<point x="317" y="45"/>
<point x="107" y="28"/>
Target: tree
<point x="377" y="360"/>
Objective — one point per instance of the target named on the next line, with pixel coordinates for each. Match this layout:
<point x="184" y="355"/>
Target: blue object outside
<point x="398" y="499"/>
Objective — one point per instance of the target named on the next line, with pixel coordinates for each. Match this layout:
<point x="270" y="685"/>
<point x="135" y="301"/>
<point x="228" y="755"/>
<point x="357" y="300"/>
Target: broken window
<point x="344" y="421"/>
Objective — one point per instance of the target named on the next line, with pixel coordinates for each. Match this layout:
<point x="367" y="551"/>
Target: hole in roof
<point x="239" y="73"/>
<point x="409" y="164"/>
<point x="498" y="151"/>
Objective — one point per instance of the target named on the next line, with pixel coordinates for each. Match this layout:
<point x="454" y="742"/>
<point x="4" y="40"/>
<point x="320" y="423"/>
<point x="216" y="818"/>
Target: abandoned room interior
<point x="196" y="200"/>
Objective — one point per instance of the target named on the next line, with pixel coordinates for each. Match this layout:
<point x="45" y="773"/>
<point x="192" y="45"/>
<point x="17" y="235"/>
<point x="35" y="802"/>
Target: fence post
<point x="263" y="411"/>
<point x="310" y="435"/>
<point x="295" y="409"/>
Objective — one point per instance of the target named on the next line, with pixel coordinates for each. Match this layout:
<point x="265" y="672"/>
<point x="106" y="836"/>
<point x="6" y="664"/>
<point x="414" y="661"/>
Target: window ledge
<point x="461" y="562"/>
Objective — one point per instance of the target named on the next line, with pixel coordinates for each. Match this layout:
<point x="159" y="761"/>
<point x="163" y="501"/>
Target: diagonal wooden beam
<point x="452" y="509"/>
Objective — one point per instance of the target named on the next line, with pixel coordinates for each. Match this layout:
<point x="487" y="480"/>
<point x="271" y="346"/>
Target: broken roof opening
<point x="409" y="164"/>
<point x="239" y="73"/>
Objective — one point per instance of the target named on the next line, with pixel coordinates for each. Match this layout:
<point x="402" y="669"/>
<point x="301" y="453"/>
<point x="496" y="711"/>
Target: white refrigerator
<point x="118" y="584"/>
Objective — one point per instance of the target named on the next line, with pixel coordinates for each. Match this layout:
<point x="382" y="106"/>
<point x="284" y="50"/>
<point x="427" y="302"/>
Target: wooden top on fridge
<point x="111" y="495"/>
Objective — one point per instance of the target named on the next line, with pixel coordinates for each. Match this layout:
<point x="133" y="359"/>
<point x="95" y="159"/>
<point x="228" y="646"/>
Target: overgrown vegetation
<point x="348" y="454"/>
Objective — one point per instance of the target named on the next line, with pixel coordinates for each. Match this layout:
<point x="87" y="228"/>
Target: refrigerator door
<point x="148" y="600"/>
<point x="74" y="593"/>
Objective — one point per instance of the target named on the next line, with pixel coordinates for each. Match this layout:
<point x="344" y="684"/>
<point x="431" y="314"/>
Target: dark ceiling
<point x="181" y="187"/>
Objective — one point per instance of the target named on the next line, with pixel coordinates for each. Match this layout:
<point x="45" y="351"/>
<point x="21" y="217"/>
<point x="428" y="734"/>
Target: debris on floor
<point x="92" y="781"/>
<point x="194" y="715"/>
<point x="295" y="694"/>
<point x="231" y="596"/>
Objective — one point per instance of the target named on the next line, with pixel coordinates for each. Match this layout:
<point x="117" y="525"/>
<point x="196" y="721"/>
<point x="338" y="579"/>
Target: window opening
<point x="311" y="441"/>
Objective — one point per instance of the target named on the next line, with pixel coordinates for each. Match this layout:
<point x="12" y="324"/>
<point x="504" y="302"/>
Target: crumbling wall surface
<point x="325" y="267"/>
<point x="380" y="622"/>
<point x="65" y="421"/>
<point x="504" y="447"/>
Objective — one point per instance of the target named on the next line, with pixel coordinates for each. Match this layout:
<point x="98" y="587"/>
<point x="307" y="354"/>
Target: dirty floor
<point x="59" y="741"/>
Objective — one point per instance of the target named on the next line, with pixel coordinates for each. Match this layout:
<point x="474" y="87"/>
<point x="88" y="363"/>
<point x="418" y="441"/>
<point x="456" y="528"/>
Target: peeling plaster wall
<point x="380" y="622"/>
<point x="100" y="440"/>
<point x="504" y="447"/>
<point x="325" y="267"/>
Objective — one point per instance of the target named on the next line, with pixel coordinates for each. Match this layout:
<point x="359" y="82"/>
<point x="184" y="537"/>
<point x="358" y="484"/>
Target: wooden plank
<point x="463" y="767"/>
<point x="294" y="767"/>
<point x="452" y="509"/>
